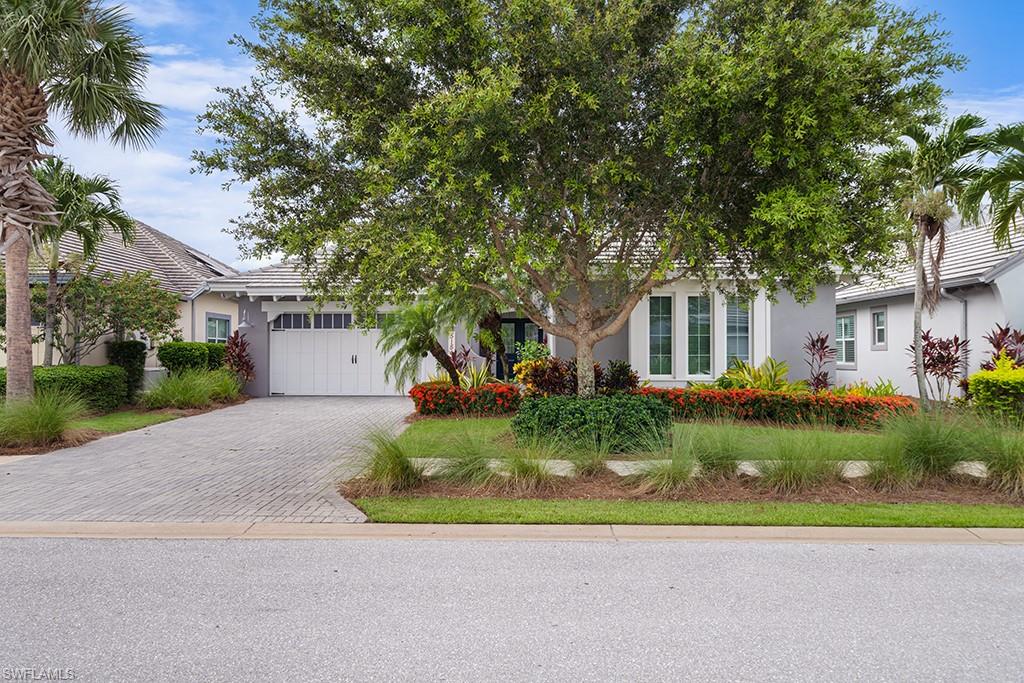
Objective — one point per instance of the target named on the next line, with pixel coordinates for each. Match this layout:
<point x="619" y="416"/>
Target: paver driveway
<point x="267" y="460"/>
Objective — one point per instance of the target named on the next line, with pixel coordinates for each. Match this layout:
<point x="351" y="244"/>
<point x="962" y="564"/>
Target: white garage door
<point x="325" y="356"/>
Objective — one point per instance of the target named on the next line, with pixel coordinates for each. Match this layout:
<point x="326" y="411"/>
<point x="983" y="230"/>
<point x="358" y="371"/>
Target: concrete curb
<point x="509" y="532"/>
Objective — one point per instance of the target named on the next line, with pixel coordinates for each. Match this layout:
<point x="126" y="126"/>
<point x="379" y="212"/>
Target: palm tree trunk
<point x="19" y="321"/>
<point x="51" y="307"/>
<point x="445" y="361"/>
<point x="919" y="284"/>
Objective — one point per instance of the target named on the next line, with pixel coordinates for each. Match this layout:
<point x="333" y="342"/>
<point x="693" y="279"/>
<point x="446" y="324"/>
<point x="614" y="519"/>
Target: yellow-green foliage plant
<point x="1001" y="390"/>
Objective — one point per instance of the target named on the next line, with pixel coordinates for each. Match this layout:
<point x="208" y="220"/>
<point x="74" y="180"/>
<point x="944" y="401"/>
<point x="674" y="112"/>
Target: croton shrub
<point x="444" y="398"/>
<point x="775" y="406"/>
<point x="1001" y="389"/>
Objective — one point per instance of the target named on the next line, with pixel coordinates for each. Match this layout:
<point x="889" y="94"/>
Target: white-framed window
<point x="737" y="330"/>
<point x="846" y="339"/>
<point x="660" y="335"/>
<point x="879" y="329"/>
<point x="698" y="335"/>
<point x="218" y="328"/>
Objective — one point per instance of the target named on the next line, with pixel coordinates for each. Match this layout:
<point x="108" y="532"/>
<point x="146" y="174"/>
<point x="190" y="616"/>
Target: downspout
<point x="945" y="293"/>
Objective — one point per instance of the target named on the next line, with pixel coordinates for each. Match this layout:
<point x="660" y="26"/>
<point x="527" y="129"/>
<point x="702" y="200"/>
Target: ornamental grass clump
<point x="525" y="470"/>
<point x="589" y="453"/>
<point x="716" y="449"/>
<point x="471" y="463"/>
<point x="674" y="473"/>
<point x="932" y="443"/>
<point x="1004" y="458"/>
<point x="193" y="389"/>
<point x="891" y="471"/>
<point x="390" y="468"/>
<point x="39" y="421"/>
<point x="797" y="463"/>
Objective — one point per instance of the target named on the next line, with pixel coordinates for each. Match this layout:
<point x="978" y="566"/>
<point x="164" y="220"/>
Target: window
<point x="879" y="337"/>
<point x="218" y="328"/>
<point x="846" y="343"/>
<point x="737" y="330"/>
<point x="382" y="318"/>
<point x="660" y="359"/>
<point x="698" y="335"/>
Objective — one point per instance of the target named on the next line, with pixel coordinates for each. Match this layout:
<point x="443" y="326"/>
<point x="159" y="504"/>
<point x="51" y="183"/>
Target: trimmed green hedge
<point x="216" y="353"/>
<point x="130" y="355"/>
<point x="1000" y="390"/>
<point x="103" y="387"/>
<point x="181" y="356"/>
<point x="629" y="422"/>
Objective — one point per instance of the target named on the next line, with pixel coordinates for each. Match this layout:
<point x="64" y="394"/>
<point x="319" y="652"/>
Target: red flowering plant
<point x="945" y="363"/>
<point x="775" y="406"/>
<point x="443" y="398"/>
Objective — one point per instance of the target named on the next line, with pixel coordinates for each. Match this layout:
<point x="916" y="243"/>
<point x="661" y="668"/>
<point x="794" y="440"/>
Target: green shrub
<point x="999" y="391"/>
<point x="628" y="419"/>
<point x="41" y="420"/>
<point x="130" y="355"/>
<point x="181" y="356"/>
<point x="932" y="443"/>
<point x="103" y="387"/>
<point x="390" y="468"/>
<point x="216" y="355"/>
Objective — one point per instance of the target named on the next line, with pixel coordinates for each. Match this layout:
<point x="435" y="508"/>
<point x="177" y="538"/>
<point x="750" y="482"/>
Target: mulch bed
<point x="742" y="489"/>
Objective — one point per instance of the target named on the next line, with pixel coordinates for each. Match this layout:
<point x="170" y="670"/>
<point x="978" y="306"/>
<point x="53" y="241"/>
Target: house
<point x="675" y="336"/>
<point x="982" y="286"/>
<point x="178" y="268"/>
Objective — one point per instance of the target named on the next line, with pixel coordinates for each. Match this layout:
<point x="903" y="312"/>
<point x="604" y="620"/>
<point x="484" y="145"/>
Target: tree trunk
<point x="585" y="380"/>
<point x="51" y="315"/>
<point x="492" y="323"/>
<point x="19" y="321"/>
<point x="919" y="284"/>
<point x="445" y="361"/>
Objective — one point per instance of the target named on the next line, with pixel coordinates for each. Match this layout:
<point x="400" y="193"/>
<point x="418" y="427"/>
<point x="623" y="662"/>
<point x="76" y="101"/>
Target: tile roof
<point x="178" y="267"/>
<point x="971" y="257"/>
<point x="285" y="275"/>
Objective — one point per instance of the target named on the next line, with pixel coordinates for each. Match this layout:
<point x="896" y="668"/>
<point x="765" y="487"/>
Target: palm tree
<point x="933" y="173"/>
<point x="409" y="335"/>
<point x="1002" y="183"/>
<point x="86" y="206"/>
<point x="81" y="61"/>
<point x="473" y="308"/>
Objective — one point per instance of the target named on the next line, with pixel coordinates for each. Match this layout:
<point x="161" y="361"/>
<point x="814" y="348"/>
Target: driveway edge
<point x="509" y="532"/>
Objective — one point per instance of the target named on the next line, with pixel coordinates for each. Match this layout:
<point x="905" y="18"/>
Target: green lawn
<point x="441" y="438"/>
<point x="504" y="511"/>
<point x="122" y="421"/>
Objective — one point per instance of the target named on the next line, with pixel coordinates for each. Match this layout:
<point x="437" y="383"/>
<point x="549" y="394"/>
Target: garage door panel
<point x="327" y="362"/>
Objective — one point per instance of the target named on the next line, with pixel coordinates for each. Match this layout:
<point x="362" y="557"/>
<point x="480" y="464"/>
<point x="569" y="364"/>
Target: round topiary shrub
<point x="130" y="355"/>
<point x="181" y="356"/>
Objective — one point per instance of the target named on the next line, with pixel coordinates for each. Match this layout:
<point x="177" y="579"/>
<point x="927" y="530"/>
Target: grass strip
<point x="530" y="511"/>
<point x="122" y="421"/>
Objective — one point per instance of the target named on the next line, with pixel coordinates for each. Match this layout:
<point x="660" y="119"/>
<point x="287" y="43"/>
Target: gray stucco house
<point x="677" y="335"/>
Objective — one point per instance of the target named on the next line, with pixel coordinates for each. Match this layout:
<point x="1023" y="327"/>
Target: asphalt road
<point x="470" y="610"/>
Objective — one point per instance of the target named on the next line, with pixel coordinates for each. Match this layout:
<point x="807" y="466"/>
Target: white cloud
<point x="153" y="13"/>
<point x="169" y="50"/>
<point x="999" y="107"/>
<point x="190" y="84"/>
<point x="157" y="188"/>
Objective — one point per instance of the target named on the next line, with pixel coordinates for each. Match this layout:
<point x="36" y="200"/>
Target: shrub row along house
<point x="675" y="336"/>
<point x="176" y="267"/>
<point x="983" y="286"/>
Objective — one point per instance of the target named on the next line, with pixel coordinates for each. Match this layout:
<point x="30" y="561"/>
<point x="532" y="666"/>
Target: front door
<point x="515" y="331"/>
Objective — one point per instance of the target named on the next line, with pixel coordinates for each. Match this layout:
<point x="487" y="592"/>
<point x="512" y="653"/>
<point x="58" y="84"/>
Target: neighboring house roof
<point x="971" y="257"/>
<point x="178" y="267"/>
<point x="286" y="278"/>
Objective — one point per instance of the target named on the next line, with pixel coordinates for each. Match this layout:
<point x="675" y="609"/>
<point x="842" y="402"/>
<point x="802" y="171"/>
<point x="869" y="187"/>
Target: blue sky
<point x="191" y="56"/>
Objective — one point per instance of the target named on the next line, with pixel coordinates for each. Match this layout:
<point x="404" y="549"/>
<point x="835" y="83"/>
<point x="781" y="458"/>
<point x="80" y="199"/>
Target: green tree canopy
<point x="548" y="150"/>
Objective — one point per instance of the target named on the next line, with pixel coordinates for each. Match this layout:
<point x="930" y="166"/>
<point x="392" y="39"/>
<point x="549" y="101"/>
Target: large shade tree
<point x="567" y="156"/>
<point x="934" y="168"/>
<point x="81" y="61"/>
<point x="87" y="207"/>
